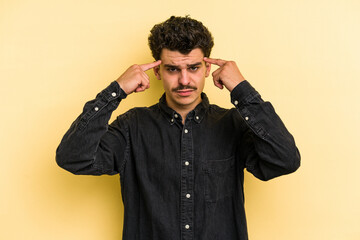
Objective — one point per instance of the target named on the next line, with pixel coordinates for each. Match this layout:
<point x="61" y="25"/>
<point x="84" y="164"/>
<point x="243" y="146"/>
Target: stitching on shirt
<point x="125" y="117"/>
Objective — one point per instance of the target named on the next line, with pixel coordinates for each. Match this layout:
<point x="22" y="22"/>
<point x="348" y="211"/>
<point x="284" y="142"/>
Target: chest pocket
<point x="219" y="179"/>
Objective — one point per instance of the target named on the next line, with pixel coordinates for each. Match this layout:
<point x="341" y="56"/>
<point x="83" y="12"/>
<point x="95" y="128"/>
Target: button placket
<point x="187" y="181"/>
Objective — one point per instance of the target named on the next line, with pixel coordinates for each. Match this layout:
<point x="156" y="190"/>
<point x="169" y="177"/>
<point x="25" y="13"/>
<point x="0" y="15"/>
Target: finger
<point x="218" y="62"/>
<point x="219" y="85"/>
<point x="217" y="79"/>
<point x="218" y="82"/>
<point x="141" y="88"/>
<point x="148" y="66"/>
<point x="216" y="72"/>
<point x="145" y="84"/>
<point x="145" y="76"/>
<point x="144" y="80"/>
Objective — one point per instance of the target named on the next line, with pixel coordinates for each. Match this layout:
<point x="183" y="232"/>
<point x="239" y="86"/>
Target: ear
<point x="208" y="68"/>
<point x="157" y="72"/>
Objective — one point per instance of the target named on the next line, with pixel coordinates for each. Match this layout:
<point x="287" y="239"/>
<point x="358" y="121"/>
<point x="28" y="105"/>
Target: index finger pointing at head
<point x="218" y="62"/>
<point x="148" y="66"/>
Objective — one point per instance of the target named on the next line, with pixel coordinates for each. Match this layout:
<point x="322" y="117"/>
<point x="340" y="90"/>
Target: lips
<point x="185" y="92"/>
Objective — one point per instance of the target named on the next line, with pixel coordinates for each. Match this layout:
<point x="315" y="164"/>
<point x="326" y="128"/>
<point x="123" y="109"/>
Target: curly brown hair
<point x="181" y="34"/>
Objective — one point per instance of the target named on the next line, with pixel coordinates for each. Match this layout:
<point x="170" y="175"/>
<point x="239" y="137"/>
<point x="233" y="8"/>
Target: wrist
<point x="122" y="87"/>
<point x="234" y="85"/>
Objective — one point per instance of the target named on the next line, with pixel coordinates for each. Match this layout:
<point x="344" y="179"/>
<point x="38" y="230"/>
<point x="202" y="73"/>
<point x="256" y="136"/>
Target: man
<point x="181" y="161"/>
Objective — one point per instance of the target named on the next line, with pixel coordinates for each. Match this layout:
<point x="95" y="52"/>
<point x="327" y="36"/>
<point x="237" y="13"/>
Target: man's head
<point x="181" y="43"/>
<point x="181" y="34"/>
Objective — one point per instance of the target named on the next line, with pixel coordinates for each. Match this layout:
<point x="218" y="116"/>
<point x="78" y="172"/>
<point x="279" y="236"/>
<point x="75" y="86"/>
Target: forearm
<point x="269" y="148"/>
<point x="80" y="151"/>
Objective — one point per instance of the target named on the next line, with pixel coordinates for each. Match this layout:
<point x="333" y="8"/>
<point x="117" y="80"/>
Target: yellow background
<point x="302" y="55"/>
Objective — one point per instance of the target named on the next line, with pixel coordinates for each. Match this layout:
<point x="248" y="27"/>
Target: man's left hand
<point x="228" y="74"/>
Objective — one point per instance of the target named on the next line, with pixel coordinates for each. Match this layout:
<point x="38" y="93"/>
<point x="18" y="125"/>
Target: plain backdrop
<point x="302" y="55"/>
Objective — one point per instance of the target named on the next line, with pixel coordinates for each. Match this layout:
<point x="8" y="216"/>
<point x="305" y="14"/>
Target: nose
<point x="184" y="77"/>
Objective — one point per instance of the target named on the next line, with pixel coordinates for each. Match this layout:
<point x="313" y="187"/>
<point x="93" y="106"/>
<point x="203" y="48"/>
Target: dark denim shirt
<point x="181" y="181"/>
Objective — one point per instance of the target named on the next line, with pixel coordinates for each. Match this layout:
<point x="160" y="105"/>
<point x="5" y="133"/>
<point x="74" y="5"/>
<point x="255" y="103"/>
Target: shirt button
<point x="96" y="109"/>
<point x="188" y="195"/>
<point x="187" y="226"/>
<point x="172" y="120"/>
<point x="175" y="115"/>
<point x="236" y="102"/>
<point x="246" y="118"/>
<point x="186" y="131"/>
<point x="197" y="117"/>
<point x="113" y="94"/>
<point x="187" y="163"/>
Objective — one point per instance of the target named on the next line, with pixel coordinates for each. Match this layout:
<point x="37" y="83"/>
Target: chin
<point x="186" y="100"/>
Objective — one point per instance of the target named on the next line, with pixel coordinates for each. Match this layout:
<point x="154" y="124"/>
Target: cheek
<point x="167" y="83"/>
<point x="199" y="76"/>
<point x="170" y="79"/>
<point x="200" y="80"/>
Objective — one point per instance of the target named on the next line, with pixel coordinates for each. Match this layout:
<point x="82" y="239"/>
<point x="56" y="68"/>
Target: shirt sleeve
<point x="88" y="147"/>
<point x="267" y="147"/>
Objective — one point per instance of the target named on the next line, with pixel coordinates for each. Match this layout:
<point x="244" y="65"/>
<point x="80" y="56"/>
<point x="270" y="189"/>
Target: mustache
<point x="182" y="87"/>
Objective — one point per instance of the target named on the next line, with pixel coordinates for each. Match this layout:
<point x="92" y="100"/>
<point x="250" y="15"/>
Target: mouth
<point x="184" y="92"/>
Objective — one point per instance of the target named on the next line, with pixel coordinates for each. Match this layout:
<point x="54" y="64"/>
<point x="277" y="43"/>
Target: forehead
<point x="177" y="58"/>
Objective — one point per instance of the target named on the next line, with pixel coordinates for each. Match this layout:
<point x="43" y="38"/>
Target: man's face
<point x="183" y="77"/>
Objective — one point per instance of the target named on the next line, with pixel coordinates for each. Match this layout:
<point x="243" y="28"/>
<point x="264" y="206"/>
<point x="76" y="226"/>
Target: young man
<point x="181" y="161"/>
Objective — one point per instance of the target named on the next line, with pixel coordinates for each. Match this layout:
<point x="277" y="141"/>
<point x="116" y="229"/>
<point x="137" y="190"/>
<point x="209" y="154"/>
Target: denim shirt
<point x="181" y="181"/>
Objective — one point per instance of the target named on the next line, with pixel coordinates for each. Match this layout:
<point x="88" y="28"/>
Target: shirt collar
<point x="197" y="114"/>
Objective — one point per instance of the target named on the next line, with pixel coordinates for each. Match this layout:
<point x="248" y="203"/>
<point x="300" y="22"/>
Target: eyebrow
<point x="177" y="66"/>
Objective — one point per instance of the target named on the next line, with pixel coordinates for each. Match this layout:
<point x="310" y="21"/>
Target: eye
<point x="193" y="69"/>
<point x="172" y="70"/>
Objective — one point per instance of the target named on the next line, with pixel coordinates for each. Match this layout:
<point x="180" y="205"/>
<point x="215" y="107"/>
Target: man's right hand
<point x="134" y="79"/>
